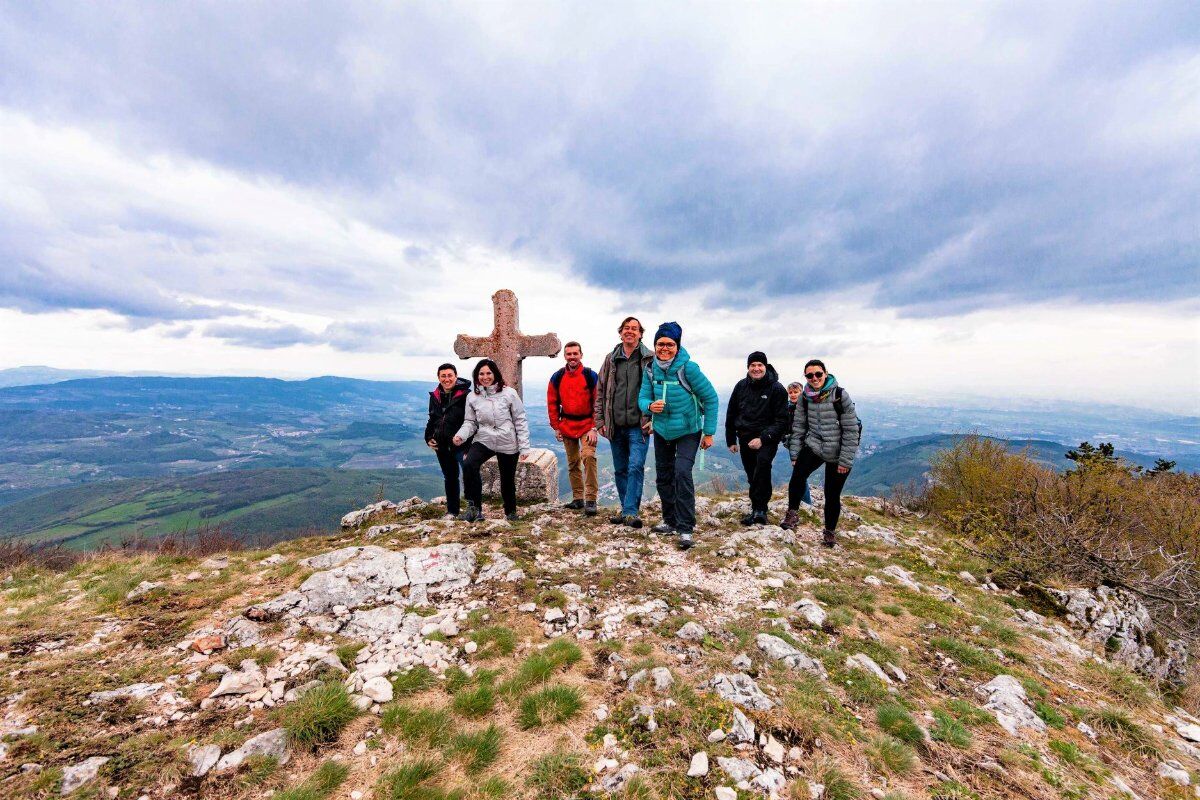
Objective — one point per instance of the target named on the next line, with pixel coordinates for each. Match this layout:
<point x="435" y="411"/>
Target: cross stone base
<point x="537" y="477"/>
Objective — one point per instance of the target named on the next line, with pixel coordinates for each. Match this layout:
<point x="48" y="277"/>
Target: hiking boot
<point x="662" y="528"/>
<point x="828" y="539"/>
<point x="685" y="540"/>
<point x="513" y="517"/>
<point x="472" y="514"/>
<point x="760" y="518"/>
<point x="574" y="505"/>
<point x="589" y="508"/>
<point x="632" y="522"/>
<point x="748" y="519"/>
<point x="617" y="519"/>
<point x="790" y="519"/>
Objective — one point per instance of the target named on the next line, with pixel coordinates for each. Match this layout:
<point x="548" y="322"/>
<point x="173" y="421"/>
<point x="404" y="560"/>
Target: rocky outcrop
<point x="537" y="476"/>
<point x="1005" y="697"/>
<point x="1120" y="624"/>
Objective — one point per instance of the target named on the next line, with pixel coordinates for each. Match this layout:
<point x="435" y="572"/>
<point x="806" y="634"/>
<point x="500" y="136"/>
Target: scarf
<point x="826" y="390"/>
<point x="664" y="365"/>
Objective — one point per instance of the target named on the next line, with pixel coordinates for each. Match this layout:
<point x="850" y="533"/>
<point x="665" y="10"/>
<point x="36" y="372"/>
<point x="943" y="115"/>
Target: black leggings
<point x="806" y="464"/>
<point x="450" y="459"/>
<point x="473" y="484"/>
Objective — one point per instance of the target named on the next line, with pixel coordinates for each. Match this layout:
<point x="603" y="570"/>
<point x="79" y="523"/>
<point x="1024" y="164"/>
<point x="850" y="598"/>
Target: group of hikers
<point x="639" y="394"/>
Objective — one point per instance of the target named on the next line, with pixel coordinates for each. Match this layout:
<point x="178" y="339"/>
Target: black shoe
<point x="513" y="517"/>
<point x="760" y="518"/>
<point x="685" y="540"/>
<point x="574" y="505"/>
<point x="663" y="528"/>
<point x="472" y="514"/>
<point x="632" y="522"/>
<point x="828" y="539"/>
<point x="749" y="519"/>
<point x="617" y="519"/>
<point x="589" y="508"/>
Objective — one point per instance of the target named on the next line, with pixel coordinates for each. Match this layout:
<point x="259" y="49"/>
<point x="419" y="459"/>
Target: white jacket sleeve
<point x="520" y="422"/>
<point x="469" y="425"/>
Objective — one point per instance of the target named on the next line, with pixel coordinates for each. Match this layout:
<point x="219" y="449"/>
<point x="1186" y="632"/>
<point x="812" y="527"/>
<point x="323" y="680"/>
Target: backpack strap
<point x="837" y="401"/>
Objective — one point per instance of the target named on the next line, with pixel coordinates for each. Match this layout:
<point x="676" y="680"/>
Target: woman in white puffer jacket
<point x="495" y="420"/>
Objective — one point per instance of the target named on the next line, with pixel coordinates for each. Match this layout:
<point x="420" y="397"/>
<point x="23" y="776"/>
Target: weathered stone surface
<point x="203" y="759"/>
<point x="136" y="691"/>
<point x="356" y="518"/>
<point x="902" y="576"/>
<point x="811" y="612"/>
<point x="866" y="663"/>
<point x="246" y="680"/>
<point x="691" y="632"/>
<point x="142" y="589"/>
<point x="699" y="765"/>
<point x="740" y="689"/>
<point x="739" y="769"/>
<point x="1006" y="698"/>
<point x="378" y="689"/>
<point x="77" y="775"/>
<point x="506" y="345"/>
<point x="497" y="568"/>
<point x="743" y="728"/>
<point x="537" y="476"/>
<point x="272" y="743"/>
<point x="779" y="650"/>
<point x="1123" y="629"/>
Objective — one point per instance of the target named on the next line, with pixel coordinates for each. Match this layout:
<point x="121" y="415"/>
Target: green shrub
<point x="493" y="642"/>
<point x="949" y="730"/>
<point x="478" y="750"/>
<point x="894" y="719"/>
<point x="550" y="705"/>
<point x="415" y="681"/>
<point x="319" y="715"/>
<point x="431" y="726"/>
<point x="558" y="775"/>
<point x="891" y="756"/>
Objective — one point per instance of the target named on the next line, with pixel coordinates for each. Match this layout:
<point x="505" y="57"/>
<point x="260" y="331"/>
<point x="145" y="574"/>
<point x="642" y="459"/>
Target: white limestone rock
<point x="1006" y="699"/>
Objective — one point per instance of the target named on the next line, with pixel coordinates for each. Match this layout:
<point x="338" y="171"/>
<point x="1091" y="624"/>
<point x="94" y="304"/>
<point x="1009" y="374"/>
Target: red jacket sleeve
<point x="552" y="405"/>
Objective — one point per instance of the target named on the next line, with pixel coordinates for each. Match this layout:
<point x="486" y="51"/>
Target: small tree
<point x="1161" y="467"/>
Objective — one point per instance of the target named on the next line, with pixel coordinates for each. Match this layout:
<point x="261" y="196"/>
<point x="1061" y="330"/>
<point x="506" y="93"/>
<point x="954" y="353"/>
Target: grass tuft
<point x="551" y="705"/>
<point x="416" y="725"/>
<point x="493" y="642"/>
<point x="540" y="666"/>
<point x="478" y="750"/>
<point x="415" y="681"/>
<point x="318" y="715"/>
<point x="408" y="782"/>
<point x="949" y="730"/>
<point x="329" y="776"/>
<point x="475" y="703"/>
<point x="891" y="756"/>
<point x="895" y="720"/>
<point x="558" y="775"/>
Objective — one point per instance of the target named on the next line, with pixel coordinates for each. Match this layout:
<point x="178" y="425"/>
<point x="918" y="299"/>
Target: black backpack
<point x="838" y="408"/>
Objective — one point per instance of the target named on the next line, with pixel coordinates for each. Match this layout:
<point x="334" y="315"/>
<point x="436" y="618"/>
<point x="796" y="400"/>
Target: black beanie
<point x="757" y="355"/>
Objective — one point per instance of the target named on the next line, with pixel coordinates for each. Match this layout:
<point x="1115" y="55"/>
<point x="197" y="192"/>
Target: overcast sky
<point x="960" y="197"/>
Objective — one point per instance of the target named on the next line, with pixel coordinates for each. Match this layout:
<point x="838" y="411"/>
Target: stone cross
<point x="507" y="346"/>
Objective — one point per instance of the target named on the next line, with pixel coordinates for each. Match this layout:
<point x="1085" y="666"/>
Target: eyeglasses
<point x="814" y="375"/>
<point x="666" y="345"/>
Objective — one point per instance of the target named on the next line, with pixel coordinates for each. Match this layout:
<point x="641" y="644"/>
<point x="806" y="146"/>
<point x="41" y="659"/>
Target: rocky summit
<point x="414" y="656"/>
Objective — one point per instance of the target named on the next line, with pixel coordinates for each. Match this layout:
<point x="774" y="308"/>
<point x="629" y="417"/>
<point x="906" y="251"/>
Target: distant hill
<point x="32" y="376"/>
<point x="269" y="504"/>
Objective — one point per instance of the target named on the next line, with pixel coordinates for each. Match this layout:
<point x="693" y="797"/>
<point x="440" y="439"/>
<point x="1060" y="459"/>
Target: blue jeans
<point x="629" y="446"/>
<point x="673" y="461"/>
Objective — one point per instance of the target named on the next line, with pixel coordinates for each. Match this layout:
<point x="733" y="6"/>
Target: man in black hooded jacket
<point x="447" y="407"/>
<point x="755" y="422"/>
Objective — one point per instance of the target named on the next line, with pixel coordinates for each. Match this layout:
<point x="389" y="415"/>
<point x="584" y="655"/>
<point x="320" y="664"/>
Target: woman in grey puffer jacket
<point x="825" y="431"/>
<point x="495" y="417"/>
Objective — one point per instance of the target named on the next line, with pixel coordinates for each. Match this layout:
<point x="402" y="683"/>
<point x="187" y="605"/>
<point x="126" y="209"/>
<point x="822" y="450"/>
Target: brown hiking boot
<point x="790" y="519"/>
<point x="828" y="539"/>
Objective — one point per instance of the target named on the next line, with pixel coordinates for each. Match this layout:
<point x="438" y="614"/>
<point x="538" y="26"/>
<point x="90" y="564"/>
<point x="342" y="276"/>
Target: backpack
<point x="589" y="377"/>
<point x="838" y="408"/>
<point x="681" y="378"/>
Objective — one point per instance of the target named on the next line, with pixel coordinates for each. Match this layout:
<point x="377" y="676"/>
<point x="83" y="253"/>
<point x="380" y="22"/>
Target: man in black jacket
<point x="755" y="422"/>
<point x="447" y="406"/>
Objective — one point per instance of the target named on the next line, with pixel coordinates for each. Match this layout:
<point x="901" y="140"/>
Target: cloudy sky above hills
<point x="994" y="199"/>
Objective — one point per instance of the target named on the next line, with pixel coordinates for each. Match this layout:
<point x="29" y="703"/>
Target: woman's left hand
<point x="842" y="470"/>
<point x="706" y="442"/>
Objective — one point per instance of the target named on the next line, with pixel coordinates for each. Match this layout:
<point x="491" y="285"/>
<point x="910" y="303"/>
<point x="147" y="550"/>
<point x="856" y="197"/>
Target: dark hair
<point x="627" y="320"/>
<point x="487" y="362"/>
<point x="448" y="366"/>
<point x="573" y="344"/>
<point x="816" y="362"/>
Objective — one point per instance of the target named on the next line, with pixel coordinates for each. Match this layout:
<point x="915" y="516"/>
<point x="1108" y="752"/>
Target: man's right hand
<point x="432" y="443"/>
<point x="457" y="440"/>
<point x="733" y="448"/>
<point x="558" y="435"/>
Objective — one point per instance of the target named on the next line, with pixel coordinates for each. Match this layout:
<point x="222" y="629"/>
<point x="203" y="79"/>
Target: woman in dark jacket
<point x="447" y="405"/>
<point x="825" y="433"/>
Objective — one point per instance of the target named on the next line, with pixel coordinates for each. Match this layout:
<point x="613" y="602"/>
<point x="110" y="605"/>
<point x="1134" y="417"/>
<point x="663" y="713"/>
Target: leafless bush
<point x="1103" y="524"/>
<point x="53" y="557"/>
<point x="203" y="541"/>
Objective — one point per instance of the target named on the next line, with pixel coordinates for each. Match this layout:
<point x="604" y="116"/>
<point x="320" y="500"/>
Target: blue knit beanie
<point x="671" y="330"/>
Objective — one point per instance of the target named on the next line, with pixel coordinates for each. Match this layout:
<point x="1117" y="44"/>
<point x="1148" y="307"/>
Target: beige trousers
<point x="581" y="467"/>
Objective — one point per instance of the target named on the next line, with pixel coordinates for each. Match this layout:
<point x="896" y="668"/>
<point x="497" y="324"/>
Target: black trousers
<point x="473" y="484"/>
<point x="806" y="464"/>
<point x="450" y="459"/>
<point x="757" y="464"/>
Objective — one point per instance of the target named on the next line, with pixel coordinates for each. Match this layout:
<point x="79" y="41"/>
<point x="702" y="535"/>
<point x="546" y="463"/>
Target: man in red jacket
<point x="569" y="400"/>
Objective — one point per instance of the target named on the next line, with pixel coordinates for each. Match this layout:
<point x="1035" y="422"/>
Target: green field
<point x="259" y="505"/>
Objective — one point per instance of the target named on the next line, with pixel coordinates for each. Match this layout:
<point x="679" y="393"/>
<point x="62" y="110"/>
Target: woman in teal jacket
<point x="684" y="407"/>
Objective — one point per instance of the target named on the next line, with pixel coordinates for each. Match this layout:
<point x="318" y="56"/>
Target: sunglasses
<point x="811" y="375"/>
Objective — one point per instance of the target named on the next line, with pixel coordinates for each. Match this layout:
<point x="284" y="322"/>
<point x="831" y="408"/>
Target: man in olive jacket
<point x="618" y="418"/>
